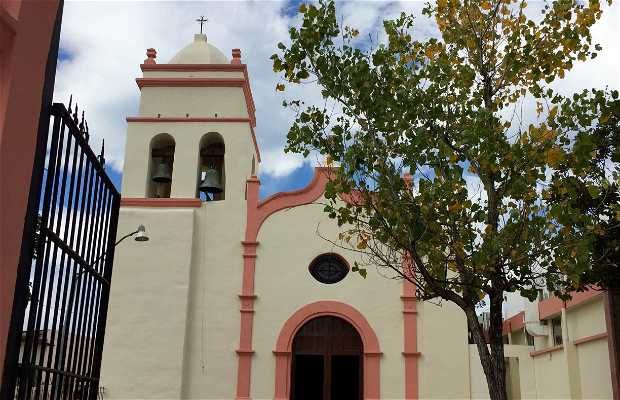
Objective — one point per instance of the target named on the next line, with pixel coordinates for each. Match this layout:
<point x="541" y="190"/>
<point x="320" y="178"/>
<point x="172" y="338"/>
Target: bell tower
<point x="189" y="152"/>
<point x="194" y="134"/>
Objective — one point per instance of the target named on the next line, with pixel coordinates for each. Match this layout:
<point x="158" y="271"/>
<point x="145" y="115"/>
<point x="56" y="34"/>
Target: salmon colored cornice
<point x="193" y="67"/>
<point x="144" y="202"/>
<point x="202" y="67"/>
<point x="190" y="82"/>
<point x="186" y="119"/>
<point x="243" y="83"/>
<point x="410" y="323"/>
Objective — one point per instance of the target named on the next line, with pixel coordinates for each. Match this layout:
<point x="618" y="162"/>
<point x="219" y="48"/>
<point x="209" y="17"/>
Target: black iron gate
<point x="60" y="309"/>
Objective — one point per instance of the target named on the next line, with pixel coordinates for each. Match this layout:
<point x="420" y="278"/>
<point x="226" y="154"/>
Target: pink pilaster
<point x="283" y="363"/>
<point x="410" y="325"/>
<point x="257" y="213"/>
<point x="247" y="295"/>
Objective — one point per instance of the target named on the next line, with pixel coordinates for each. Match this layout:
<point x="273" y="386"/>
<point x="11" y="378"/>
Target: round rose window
<point x="328" y="268"/>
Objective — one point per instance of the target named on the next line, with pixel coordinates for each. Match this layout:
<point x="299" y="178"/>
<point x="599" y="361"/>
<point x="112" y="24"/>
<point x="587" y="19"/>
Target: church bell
<point x="162" y="173"/>
<point x="211" y="182"/>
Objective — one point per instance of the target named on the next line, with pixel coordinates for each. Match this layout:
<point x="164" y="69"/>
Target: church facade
<point x="234" y="297"/>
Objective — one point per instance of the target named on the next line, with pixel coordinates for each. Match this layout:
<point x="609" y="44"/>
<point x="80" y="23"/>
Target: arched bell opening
<point x="161" y="162"/>
<point x="327" y="361"/>
<point x="211" y="182"/>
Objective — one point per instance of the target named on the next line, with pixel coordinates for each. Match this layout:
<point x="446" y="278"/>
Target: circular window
<point x="329" y="268"/>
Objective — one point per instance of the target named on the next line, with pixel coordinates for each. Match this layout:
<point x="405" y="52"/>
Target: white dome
<point x="199" y="52"/>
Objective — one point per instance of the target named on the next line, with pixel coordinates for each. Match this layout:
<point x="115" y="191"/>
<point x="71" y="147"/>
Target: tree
<point x="480" y="213"/>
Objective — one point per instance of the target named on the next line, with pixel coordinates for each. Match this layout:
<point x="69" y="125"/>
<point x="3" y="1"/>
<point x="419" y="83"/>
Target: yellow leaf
<point x="485" y="5"/>
<point x="525" y="139"/>
<point x="554" y="155"/>
<point x="604" y="118"/>
<point x="280" y="87"/>
<point x="553" y="112"/>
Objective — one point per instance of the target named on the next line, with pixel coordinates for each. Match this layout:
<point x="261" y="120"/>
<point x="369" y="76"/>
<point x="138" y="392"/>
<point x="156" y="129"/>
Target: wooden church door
<point x="327" y="361"/>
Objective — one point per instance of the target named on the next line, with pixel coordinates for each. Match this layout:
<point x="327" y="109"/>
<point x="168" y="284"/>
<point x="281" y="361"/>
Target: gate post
<point x="31" y="20"/>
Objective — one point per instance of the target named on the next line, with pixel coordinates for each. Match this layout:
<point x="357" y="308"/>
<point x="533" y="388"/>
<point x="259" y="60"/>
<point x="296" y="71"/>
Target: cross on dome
<point x="202" y="20"/>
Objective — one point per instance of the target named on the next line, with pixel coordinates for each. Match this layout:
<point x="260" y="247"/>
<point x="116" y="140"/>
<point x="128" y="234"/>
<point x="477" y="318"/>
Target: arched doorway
<point x="327" y="361"/>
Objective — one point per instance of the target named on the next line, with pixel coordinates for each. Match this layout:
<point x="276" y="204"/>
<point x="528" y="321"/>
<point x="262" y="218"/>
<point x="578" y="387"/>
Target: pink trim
<point x="410" y="321"/>
<point x="257" y="213"/>
<point x="592" y="338"/>
<point x="514" y="323"/>
<point x="284" y="344"/>
<point x="545" y="351"/>
<point x="205" y="67"/>
<point x="190" y="82"/>
<point x="247" y="298"/>
<point x="186" y="119"/>
<point x="410" y="326"/>
<point x="552" y="306"/>
<point x="206" y="82"/>
<point x="200" y="119"/>
<point x="139" y="202"/>
<point x="255" y="143"/>
<point x="193" y="67"/>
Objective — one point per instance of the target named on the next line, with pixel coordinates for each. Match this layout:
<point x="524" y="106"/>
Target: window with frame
<point x="328" y="268"/>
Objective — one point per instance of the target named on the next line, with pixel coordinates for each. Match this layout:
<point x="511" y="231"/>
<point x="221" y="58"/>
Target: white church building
<point x="234" y="297"/>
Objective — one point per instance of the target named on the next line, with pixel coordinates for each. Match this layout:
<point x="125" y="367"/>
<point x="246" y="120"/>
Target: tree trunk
<point x="492" y="356"/>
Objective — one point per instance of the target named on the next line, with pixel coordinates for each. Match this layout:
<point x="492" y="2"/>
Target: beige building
<point x="236" y="298"/>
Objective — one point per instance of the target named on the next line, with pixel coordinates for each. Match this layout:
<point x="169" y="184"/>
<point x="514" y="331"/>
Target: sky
<point x="103" y="44"/>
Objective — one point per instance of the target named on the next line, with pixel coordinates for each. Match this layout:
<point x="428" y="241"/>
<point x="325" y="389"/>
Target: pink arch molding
<point x="283" y="351"/>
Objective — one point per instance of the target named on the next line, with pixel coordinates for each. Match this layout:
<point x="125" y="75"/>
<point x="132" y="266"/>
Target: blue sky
<point x="83" y="74"/>
<point x="103" y="44"/>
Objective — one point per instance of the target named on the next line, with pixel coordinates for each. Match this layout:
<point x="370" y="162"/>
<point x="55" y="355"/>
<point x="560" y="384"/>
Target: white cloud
<point x="107" y="43"/>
